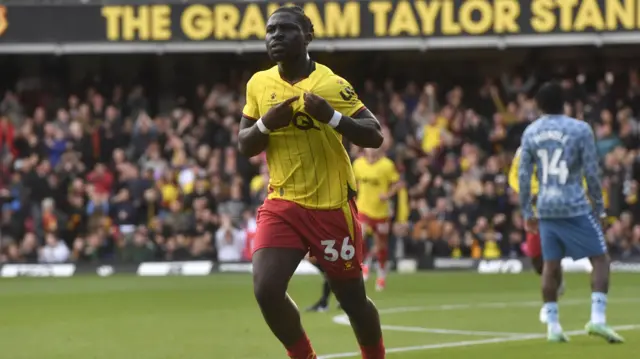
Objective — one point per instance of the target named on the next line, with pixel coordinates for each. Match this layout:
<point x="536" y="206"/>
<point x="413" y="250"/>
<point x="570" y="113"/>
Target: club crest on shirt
<point x="273" y="99"/>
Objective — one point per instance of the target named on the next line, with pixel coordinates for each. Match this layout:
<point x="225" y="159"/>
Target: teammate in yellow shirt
<point x="298" y="112"/>
<point x="378" y="181"/>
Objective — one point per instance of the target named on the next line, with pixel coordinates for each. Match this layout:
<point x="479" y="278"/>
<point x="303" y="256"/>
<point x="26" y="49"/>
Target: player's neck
<point x="296" y="70"/>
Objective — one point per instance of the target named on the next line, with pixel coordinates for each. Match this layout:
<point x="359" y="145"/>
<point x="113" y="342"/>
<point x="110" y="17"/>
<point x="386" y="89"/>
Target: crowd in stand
<point x="98" y="179"/>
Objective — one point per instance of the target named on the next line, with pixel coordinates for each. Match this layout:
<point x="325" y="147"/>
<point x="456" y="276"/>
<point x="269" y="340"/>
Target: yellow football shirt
<point x="513" y="176"/>
<point x="374" y="180"/>
<point x="257" y="183"/>
<point x="170" y="193"/>
<point x="307" y="162"/>
<point x="431" y="137"/>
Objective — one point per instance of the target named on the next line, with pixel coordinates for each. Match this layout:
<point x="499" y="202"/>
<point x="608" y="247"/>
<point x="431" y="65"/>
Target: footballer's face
<point x="285" y="38"/>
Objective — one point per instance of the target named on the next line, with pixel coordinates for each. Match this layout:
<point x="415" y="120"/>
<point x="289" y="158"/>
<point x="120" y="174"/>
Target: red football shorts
<point x="377" y="226"/>
<point x="533" y="246"/>
<point x="333" y="237"/>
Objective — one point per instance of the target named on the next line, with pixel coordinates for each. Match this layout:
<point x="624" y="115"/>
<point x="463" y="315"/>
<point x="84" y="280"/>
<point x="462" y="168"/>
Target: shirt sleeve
<point x="251" y="109"/>
<point x="393" y="174"/>
<point x="592" y="171"/>
<point x="343" y="98"/>
<point x="525" y="171"/>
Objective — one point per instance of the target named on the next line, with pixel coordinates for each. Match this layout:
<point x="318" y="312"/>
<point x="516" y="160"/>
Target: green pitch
<point x="450" y="316"/>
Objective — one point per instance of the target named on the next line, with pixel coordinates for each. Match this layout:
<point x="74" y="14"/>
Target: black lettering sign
<point x="220" y="25"/>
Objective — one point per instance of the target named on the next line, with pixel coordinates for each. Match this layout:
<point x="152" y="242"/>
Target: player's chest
<point x="301" y="122"/>
<point x="370" y="176"/>
<point x="276" y="91"/>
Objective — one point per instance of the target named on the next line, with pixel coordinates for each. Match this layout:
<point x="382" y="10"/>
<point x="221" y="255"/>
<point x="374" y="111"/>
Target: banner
<point x="37" y="270"/>
<point x="576" y="266"/>
<point x="494" y="266"/>
<point x="627" y="266"/>
<point x="195" y="268"/>
<point x="241" y="26"/>
<point x="407" y="266"/>
<point x="454" y="263"/>
<point x="304" y="268"/>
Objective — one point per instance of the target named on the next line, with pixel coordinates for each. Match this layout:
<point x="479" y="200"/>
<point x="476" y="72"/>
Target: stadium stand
<point x="125" y="173"/>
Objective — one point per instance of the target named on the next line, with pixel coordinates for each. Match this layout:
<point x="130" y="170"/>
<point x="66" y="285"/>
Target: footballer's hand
<point x="280" y="115"/>
<point x="531" y="225"/>
<point x="318" y="108"/>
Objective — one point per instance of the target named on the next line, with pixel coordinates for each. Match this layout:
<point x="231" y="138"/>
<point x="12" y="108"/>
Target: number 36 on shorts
<point x="346" y="251"/>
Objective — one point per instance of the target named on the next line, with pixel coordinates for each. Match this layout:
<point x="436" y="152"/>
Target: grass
<point x="444" y="315"/>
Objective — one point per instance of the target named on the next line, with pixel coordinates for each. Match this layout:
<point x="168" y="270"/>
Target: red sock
<point x="383" y="254"/>
<point x="365" y="252"/>
<point x="302" y="349"/>
<point x="374" y="351"/>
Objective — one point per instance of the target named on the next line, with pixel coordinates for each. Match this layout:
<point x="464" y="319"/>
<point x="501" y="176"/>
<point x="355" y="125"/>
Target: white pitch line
<point x="342" y="319"/>
<point x="508" y="337"/>
<point x="399" y="328"/>
<point x="468" y="343"/>
<point x="495" y="305"/>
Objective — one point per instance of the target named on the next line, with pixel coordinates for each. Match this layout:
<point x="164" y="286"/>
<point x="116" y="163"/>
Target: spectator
<point x="13" y="254"/>
<point x="101" y="179"/>
<point x="54" y="250"/>
<point x="138" y="249"/>
<point x="229" y="241"/>
<point x="234" y="207"/>
<point x="29" y="248"/>
<point x="52" y="218"/>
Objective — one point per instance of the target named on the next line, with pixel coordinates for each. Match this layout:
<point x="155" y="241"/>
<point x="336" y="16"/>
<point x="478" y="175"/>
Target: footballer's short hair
<point x="550" y="98"/>
<point x="302" y="19"/>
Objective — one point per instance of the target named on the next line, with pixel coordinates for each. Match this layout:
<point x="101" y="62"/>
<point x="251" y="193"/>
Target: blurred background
<point x="119" y="120"/>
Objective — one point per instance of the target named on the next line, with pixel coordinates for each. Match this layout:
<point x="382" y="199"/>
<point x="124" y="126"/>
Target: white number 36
<point x="347" y="251"/>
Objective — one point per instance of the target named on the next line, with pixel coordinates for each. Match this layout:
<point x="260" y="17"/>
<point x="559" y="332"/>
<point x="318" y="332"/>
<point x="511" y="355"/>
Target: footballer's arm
<point x="251" y="142"/>
<point x="363" y="130"/>
<point x="394" y="188"/>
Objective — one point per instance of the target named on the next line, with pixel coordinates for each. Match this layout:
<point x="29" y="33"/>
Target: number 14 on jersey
<point x="553" y="166"/>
